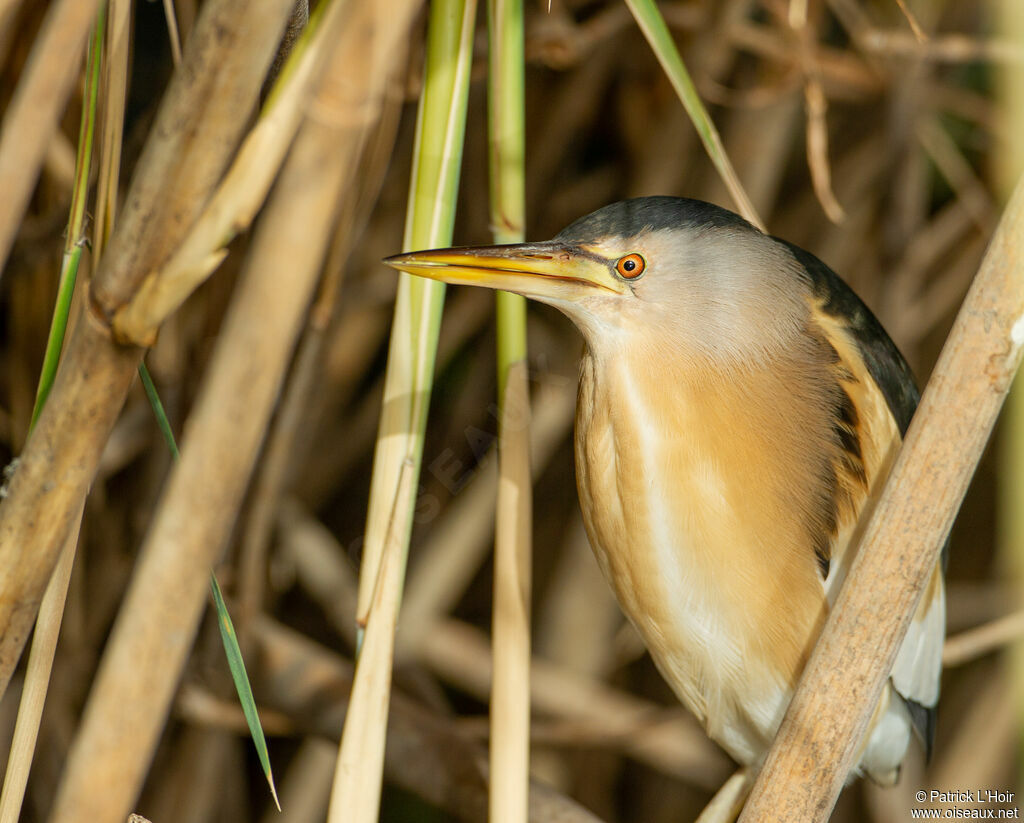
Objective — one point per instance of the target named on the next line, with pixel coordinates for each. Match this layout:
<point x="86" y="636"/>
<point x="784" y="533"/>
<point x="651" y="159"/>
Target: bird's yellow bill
<point x="542" y="270"/>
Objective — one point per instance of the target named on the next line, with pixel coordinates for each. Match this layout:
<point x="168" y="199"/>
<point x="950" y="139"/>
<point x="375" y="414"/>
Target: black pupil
<point x="629" y="265"/>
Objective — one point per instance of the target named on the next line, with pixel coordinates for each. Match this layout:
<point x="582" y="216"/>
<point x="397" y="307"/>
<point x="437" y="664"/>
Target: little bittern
<point x="739" y="409"/>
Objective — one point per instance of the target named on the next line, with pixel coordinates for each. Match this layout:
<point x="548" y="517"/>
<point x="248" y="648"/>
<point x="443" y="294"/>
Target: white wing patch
<point x="918" y="666"/>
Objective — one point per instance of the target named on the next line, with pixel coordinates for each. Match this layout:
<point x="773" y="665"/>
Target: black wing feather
<point x="883" y="360"/>
<point x="890" y="371"/>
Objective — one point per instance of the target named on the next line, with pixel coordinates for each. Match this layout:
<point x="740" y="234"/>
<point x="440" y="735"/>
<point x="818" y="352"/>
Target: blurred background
<point x="882" y="136"/>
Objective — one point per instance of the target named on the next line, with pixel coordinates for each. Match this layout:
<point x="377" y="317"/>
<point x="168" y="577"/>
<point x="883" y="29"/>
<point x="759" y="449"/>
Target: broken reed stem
<point x="34" y="112"/>
<point x="826" y="721"/>
<point x="227" y="57"/>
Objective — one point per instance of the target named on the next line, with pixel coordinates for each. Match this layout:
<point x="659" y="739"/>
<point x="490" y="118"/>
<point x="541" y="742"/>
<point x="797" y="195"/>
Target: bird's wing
<point x="918" y="666"/>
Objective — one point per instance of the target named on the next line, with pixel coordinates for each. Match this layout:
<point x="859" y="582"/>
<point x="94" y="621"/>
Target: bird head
<point x="667" y="274"/>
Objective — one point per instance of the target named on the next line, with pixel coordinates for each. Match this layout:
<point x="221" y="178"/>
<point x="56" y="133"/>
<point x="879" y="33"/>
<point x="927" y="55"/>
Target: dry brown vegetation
<point x="878" y="141"/>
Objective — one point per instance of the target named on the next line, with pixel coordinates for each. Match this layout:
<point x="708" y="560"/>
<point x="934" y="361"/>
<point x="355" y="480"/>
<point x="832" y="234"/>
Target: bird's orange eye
<point x="631" y="266"/>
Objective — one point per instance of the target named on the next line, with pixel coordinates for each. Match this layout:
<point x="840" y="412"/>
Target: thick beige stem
<point x="822" y="731"/>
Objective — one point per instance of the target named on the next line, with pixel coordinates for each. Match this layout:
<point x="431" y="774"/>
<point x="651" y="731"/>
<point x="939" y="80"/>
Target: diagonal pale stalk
<point x="355" y="794"/>
<point x="1010" y="531"/>
<point x="823" y="728"/>
<point x="510" y="693"/>
<point x="51" y="608"/>
<point x="172" y="32"/>
<point x="37" y="679"/>
<point x="245" y="186"/>
<point x="33" y="115"/>
<point x="653" y="26"/>
<point x="440" y="131"/>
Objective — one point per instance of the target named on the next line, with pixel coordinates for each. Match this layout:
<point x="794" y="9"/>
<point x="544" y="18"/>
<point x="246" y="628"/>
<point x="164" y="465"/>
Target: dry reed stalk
<point x="510" y="683"/>
<point x="227" y="57"/>
<point x="817" y="150"/>
<point x="34" y="113"/>
<point x="915" y="27"/>
<point x="424" y="755"/>
<point x="197" y="706"/>
<point x="509" y="750"/>
<point x="37" y="680"/>
<point x="398" y="452"/>
<point x="270" y="482"/>
<point x="359" y="772"/>
<point x="728" y="800"/>
<point x="172" y="32"/>
<point x="320" y="566"/>
<point x="161" y="611"/>
<point x="822" y="731"/>
<point x="949" y="159"/>
<point x="949" y="48"/>
<point x="284" y="451"/>
<point x="113" y="97"/>
<point x="843" y="74"/>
